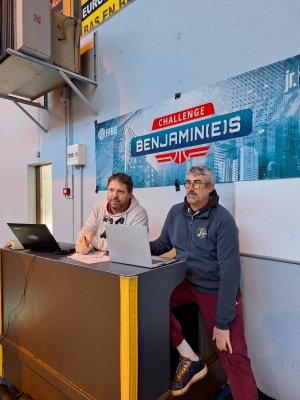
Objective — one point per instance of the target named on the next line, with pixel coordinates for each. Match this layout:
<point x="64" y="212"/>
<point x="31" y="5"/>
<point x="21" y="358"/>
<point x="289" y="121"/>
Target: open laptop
<point x="129" y="244"/>
<point x="37" y="237"/>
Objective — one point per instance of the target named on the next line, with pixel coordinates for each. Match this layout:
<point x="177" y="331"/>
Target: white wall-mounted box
<point x="33" y="28"/>
<point x="76" y="154"/>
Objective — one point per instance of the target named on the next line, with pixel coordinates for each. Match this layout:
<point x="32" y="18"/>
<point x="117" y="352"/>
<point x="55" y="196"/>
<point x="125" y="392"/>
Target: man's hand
<point x="84" y="244"/>
<point x="222" y="338"/>
<point x="89" y="237"/>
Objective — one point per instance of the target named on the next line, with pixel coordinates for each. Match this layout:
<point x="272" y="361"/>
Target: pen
<point x="86" y="243"/>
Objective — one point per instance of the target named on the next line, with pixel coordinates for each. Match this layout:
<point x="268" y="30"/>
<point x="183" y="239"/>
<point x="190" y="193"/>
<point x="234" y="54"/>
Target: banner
<point x="94" y="12"/>
<point x="245" y="128"/>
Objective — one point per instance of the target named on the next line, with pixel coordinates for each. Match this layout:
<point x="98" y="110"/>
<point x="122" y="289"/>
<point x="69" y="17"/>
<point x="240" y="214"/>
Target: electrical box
<point x="76" y="154"/>
<point x="66" y="191"/>
<point x="33" y="28"/>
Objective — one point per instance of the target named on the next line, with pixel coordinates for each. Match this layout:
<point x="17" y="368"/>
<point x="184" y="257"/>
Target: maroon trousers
<point x="236" y="365"/>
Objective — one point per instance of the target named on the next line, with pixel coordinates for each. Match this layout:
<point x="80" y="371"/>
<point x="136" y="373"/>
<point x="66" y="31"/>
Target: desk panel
<point x="64" y="338"/>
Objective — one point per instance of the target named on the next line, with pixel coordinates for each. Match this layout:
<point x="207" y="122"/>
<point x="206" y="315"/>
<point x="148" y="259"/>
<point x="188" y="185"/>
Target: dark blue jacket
<point x="208" y="241"/>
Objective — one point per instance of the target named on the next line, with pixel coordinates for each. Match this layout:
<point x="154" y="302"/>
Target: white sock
<point x="185" y="350"/>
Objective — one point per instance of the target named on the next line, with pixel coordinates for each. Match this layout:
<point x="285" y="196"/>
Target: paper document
<point x="92" y="257"/>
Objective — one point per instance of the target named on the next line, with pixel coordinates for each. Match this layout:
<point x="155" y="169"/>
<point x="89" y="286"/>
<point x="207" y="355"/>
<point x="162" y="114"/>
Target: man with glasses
<point x="120" y="207"/>
<point x="205" y="235"/>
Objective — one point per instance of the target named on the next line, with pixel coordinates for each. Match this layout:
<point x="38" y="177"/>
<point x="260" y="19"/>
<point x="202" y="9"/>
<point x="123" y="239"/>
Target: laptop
<point x="129" y="244"/>
<point x="37" y="237"/>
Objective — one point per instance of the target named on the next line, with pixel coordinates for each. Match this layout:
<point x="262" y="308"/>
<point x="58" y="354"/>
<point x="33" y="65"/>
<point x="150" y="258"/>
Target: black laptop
<point x="37" y="237"/>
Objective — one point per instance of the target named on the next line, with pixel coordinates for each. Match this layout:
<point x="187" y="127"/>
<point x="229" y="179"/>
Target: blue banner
<point x="224" y="127"/>
<point x="245" y="128"/>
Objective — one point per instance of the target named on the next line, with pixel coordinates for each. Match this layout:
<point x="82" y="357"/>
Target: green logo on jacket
<point x="201" y="233"/>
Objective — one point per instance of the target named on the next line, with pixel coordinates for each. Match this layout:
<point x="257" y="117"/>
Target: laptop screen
<point x="129" y="244"/>
<point x="35" y="237"/>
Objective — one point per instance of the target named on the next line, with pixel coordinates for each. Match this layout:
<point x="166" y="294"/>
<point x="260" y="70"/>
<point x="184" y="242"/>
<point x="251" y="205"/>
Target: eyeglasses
<point x="195" y="184"/>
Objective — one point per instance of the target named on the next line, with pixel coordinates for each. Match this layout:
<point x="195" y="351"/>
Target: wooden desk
<point x="98" y="331"/>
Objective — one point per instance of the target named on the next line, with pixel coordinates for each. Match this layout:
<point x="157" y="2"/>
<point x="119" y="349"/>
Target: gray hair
<point x="207" y="172"/>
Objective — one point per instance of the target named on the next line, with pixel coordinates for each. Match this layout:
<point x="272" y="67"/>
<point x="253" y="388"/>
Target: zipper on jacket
<point x="192" y="215"/>
<point x="191" y="237"/>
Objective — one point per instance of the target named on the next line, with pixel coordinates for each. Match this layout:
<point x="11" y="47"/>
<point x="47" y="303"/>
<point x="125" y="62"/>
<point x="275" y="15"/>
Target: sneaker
<point x="186" y="374"/>
<point x="22" y="396"/>
<point x="5" y="393"/>
<point x="224" y="393"/>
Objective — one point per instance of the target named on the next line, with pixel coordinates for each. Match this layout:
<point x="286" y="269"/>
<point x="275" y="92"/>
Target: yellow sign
<point x="94" y="12"/>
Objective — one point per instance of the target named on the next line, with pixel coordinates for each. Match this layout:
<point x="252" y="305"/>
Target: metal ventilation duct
<point x="6" y="25"/>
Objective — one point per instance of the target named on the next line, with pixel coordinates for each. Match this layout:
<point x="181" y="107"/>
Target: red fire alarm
<point x="66" y="191"/>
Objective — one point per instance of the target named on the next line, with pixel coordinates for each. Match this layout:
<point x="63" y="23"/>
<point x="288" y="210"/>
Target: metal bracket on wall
<point x="95" y="56"/>
<point x="30" y="116"/>
<point x="39" y="79"/>
<point x="63" y="74"/>
<point x="29" y="103"/>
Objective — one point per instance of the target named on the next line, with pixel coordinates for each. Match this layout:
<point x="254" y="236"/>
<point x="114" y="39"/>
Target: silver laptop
<point x="129" y="244"/>
<point x="37" y="237"/>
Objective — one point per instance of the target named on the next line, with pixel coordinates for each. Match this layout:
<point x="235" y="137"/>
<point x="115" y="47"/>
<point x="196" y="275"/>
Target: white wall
<point x="146" y="53"/>
<point x="272" y="318"/>
<point x="273" y="228"/>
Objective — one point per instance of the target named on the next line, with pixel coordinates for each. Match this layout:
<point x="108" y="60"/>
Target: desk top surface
<point x="106" y="267"/>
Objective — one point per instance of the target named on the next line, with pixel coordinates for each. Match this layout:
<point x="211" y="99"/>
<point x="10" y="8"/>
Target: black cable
<point x="23" y="295"/>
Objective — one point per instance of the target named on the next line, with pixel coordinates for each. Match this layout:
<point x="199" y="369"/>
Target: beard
<point x="192" y="198"/>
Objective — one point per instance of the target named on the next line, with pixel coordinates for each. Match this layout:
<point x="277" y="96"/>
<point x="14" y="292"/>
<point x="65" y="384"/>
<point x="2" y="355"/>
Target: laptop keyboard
<point x="156" y="261"/>
<point x="66" y="246"/>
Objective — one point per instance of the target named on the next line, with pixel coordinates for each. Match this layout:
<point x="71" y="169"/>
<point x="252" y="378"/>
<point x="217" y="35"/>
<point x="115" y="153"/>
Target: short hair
<point x="207" y="172"/>
<point x="122" y="178"/>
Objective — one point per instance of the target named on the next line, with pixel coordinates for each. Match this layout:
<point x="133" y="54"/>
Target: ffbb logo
<point x="103" y="133"/>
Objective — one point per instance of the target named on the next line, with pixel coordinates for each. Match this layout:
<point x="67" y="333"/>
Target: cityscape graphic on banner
<point x="245" y="128"/>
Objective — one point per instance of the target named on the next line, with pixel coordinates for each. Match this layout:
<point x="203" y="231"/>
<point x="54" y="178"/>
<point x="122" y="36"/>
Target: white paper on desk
<point x="92" y="257"/>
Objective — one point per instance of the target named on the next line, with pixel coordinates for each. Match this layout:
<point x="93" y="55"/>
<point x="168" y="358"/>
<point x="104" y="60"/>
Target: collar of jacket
<point x="204" y="211"/>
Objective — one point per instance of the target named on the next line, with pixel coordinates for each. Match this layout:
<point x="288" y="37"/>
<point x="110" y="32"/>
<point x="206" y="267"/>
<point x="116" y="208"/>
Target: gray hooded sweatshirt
<point x="99" y="217"/>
